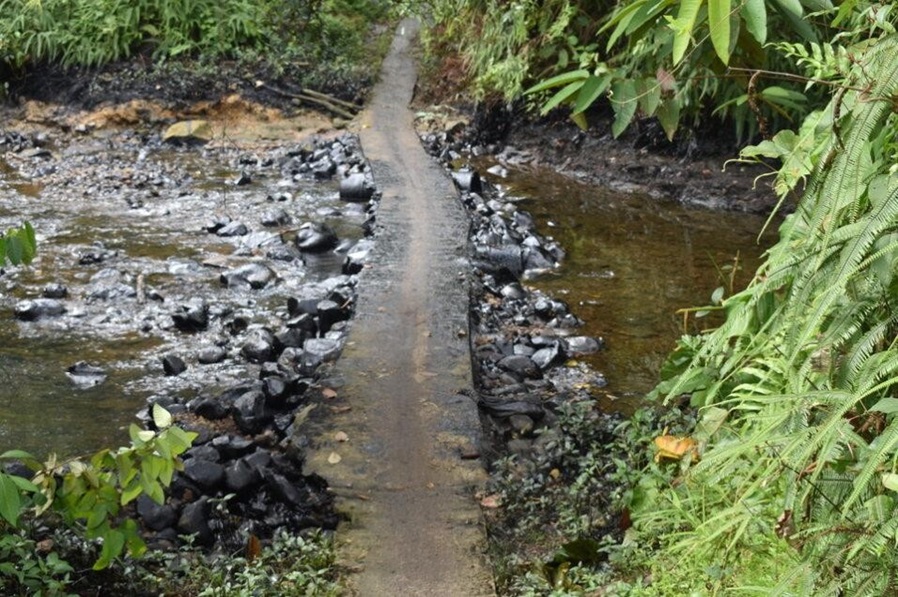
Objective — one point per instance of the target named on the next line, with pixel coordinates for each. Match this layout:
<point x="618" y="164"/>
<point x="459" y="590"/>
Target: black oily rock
<point x="513" y="291"/>
<point x="275" y="217"/>
<point x="291" y="337"/>
<point x="275" y="389"/>
<point x="232" y="229"/>
<point x="357" y="188"/>
<point x="209" y="408"/>
<point x="192" y="317"/>
<point x="329" y="313"/>
<point x="85" y="375"/>
<point x="493" y="260"/>
<point x="315" y="237"/>
<point x="520" y="364"/>
<point x="240" y="476"/>
<point x="285" y="490"/>
<point x="39" y="308"/>
<point x="502" y="409"/>
<point x="55" y="291"/>
<point x="232" y="446"/>
<point x="211" y="354"/>
<point x="548" y="356"/>
<point x="251" y="275"/>
<point x="155" y="516"/>
<point x="216" y="223"/>
<point x="282" y="252"/>
<point x="194" y="520"/>
<point x="173" y="365"/>
<point x="259" y="347"/>
<point x="467" y="180"/>
<point x="207" y="475"/>
<point x="577" y="345"/>
<point x="249" y="412"/>
<point x="326" y="349"/>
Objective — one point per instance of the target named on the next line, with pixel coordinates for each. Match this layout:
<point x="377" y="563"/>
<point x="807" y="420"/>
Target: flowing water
<point x="633" y="262"/>
<point x="147" y="204"/>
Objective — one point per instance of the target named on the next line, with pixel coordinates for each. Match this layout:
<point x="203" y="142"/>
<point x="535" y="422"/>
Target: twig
<point x="319" y="99"/>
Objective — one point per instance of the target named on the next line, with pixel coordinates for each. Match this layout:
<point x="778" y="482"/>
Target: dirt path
<point x="402" y="478"/>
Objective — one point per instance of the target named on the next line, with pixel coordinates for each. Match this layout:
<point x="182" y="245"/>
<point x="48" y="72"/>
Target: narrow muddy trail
<point x="406" y="469"/>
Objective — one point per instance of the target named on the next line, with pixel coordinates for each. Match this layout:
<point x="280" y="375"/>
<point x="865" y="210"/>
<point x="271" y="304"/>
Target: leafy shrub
<point x="800" y="438"/>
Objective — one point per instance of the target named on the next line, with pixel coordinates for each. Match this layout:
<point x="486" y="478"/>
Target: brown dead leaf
<point x="674" y="448"/>
<point x="329" y="393"/>
<point x="341" y="437"/>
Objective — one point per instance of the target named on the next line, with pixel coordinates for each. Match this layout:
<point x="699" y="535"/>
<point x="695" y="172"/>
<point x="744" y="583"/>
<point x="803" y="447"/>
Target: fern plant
<point x="798" y="386"/>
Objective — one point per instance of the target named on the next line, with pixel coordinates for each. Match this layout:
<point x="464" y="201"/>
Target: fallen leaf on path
<point x="329" y="393"/>
<point x="340" y="409"/>
<point x="334" y="458"/>
<point x="341" y="436"/>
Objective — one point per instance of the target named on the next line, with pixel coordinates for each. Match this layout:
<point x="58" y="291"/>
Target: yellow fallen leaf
<point x="334" y="458"/>
<point x="674" y="448"/>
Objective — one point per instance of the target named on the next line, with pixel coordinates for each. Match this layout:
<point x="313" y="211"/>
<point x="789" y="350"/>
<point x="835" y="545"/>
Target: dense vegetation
<point x="315" y="42"/>
<point x="787" y="483"/>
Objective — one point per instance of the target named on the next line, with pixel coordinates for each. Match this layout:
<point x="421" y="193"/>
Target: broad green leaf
<point x="592" y="88"/>
<point x="562" y="96"/>
<point x="2" y="251"/>
<point x="580" y="120"/>
<point x="890" y="481"/>
<point x="145" y="435"/>
<point x="161" y="417"/>
<point x="624" y="102"/>
<point x="668" y="115"/>
<point x="754" y="13"/>
<point x="16" y="455"/>
<point x="683" y="26"/>
<point x="621" y="20"/>
<point x="14" y="249"/>
<point x="10" y="501"/>
<point x="131" y="492"/>
<point x="794" y="13"/>
<point x="113" y="543"/>
<point x="719" y="24"/>
<point x="888" y="406"/>
<point x="559" y="80"/>
<point x="649" y="93"/>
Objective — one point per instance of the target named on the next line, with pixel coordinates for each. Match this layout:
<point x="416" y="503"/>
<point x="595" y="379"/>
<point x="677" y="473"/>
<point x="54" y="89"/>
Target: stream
<point x="632" y="262"/>
<point x="113" y="205"/>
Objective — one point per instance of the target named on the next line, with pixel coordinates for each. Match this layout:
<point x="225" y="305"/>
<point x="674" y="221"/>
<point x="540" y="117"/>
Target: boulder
<point x="188" y="131"/>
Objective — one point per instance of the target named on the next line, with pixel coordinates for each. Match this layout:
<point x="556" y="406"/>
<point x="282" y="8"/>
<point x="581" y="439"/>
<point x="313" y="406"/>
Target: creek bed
<point x="123" y="223"/>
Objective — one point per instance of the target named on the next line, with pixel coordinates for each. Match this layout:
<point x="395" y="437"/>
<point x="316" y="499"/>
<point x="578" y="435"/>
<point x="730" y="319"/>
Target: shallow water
<point x="147" y="205"/>
<point x="632" y="262"/>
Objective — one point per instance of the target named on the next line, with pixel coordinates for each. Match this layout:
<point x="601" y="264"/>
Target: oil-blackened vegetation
<point x="93" y="51"/>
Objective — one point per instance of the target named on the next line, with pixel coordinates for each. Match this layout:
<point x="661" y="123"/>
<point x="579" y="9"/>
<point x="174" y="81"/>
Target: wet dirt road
<point x="402" y="477"/>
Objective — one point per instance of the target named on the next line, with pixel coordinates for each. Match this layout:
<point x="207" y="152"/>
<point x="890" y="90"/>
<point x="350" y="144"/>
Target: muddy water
<point x="631" y="264"/>
<point x="146" y="204"/>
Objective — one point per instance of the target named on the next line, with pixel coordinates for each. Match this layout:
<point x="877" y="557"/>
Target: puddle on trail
<point x="631" y="263"/>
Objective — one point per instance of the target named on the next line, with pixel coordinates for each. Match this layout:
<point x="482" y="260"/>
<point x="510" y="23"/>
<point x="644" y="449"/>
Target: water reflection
<point x="632" y="263"/>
